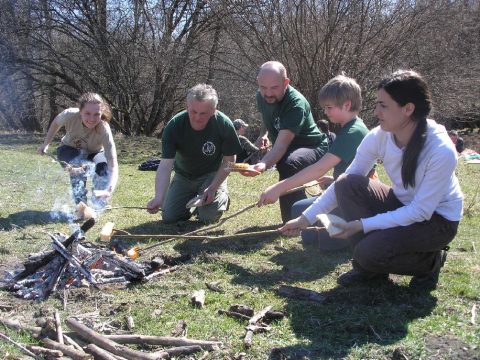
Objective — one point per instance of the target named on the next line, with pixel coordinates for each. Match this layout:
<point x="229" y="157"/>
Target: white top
<point x="436" y="186"/>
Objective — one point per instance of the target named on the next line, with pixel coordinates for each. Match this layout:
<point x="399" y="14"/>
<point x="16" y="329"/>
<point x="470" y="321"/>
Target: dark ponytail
<point x="406" y="86"/>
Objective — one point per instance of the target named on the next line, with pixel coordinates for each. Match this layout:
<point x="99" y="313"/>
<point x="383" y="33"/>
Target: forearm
<point x="113" y="175"/>
<point x="162" y="181"/>
<point x="222" y="173"/>
<point x="52" y="131"/>
<point x="310" y="173"/>
<point x="274" y="155"/>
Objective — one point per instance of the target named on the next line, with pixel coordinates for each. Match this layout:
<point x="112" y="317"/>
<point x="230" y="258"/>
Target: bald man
<point x="289" y="125"/>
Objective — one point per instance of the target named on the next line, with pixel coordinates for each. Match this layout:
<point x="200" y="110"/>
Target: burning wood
<point x="74" y="264"/>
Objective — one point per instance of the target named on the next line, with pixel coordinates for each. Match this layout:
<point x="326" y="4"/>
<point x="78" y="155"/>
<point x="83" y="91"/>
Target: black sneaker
<point x="429" y="281"/>
<point x="354" y="277"/>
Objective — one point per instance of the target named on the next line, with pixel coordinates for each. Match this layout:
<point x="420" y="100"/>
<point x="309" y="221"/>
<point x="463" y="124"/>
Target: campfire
<point x="78" y="263"/>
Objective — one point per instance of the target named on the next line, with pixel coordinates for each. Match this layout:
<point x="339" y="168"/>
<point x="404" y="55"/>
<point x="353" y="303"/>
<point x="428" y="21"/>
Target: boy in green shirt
<point x="341" y="101"/>
<point x="198" y="143"/>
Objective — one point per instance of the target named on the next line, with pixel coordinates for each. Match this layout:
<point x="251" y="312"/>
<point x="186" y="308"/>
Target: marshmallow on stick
<point x="328" y="220"/>
<point x="85" y="212"/>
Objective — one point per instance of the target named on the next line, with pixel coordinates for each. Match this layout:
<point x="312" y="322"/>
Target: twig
<point x="48" y="353"/>
<point x="252" y="326"/>
<point x="58" y="326"/>
<point x="68" y="340"/>
<point x="376" y="334"/>
<point x="164" y="341"/>
<point x="111" y="346"/>
<point x="233" y="314"/>
<point x="20" y="346"/>
<point x="473" y="318"/>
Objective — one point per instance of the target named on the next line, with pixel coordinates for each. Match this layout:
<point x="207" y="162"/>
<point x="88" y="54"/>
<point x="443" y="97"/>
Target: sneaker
<point x="429" y="281"/>
<point x="354" y="277"/>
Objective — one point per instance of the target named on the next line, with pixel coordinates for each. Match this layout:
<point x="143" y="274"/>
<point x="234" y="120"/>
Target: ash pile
<point x="74" y="262"/>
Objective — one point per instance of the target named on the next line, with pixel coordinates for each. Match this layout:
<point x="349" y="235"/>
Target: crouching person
<point x="87" y="145"/>
<point x="404" y="229"/>
<point x="198" y="144"/>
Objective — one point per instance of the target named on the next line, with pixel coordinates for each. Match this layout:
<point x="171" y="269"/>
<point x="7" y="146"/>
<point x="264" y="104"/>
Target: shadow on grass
<point x="33" y="217"/>
<point x="352" y="317"/>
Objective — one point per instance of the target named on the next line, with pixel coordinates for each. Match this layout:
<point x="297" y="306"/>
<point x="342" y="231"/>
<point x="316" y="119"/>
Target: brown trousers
<point x="403" y="250"/>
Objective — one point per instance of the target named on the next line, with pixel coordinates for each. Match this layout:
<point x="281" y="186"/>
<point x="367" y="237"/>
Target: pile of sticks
<point x="72" y="263"/>
<point x="84" y="343"/>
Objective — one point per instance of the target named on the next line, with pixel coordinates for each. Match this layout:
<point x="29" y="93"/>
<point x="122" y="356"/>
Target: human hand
<point x="325" y="182"/>
<point x="42" y="149"/>
<point x="293" y="227"/>
<point x="259" y="168"/>
<point x="103" y="194"/>
<point x="209" y="195"/>
<point x="350" y="228"/>
<point x="269" y="196"/>
<point x="262" y="142"/>
<point x="154" y="205"/>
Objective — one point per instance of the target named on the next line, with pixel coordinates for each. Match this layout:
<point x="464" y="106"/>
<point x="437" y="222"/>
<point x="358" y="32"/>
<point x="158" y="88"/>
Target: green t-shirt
<point x="292" y="113"/>
<point x="198" y="153"/>
<point x="346" y="144"/>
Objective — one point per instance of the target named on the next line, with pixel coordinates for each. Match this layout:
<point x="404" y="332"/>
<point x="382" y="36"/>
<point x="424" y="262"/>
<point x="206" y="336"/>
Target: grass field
<point x="387" y="322"/>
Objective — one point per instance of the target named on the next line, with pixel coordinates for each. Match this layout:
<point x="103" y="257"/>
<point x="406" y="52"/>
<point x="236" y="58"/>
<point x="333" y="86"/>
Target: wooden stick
<point x="207" y="237"/>
<point x="16" y="325"/>
<point x="252" y="327"/>
<point x="300" y="293"/>
<point x="99" y="353"/>
<point x="233" y="314"/>
<point x="164" y="341"/>
<point x="48" y="353"/>
<point x="20" y="346"/>
<point x="206" y="228"/>
<point x="68" y="340"/>
<point x="111" y="346"/>
<point x="58" y="326"/>
<point x="304" y="186"/>
<point x="66" y="350"/>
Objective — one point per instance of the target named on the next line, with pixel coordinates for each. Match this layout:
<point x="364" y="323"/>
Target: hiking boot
<point x="429" y="281"/>
<point x="354" y="277"/>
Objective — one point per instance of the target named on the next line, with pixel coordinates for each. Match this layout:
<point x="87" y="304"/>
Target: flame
<point x="133" y="253"/>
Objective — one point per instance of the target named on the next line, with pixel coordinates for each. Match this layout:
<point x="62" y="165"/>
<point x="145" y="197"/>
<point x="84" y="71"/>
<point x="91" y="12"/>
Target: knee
<point x="170" y="218"/>
<point x="209" y="215"/>
<point x="347" y="185"/>
<point x="369" y="255"/>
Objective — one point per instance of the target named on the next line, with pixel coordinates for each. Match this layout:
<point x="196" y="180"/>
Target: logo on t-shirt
<point x="276" y="123"/>
<point x="208" y="148"/>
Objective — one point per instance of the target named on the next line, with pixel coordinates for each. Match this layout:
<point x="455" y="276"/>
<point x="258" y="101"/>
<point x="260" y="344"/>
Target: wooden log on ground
<point x="16" y="325"/>
<point x="301" y="293"/>
<point x="198" y="298"/>
<point x="66" y="350"/>
<point x="58" y="326"/>
<point x="111" y="346"/>
<point x="99" y="353"/>
<point x="164" y="341"/>
<point x="242" y="309"/>
<point x="68" y="340"/>
<point x="44" y="352"/>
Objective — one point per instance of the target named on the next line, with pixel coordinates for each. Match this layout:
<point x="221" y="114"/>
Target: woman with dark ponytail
<point x="404" y="228"/>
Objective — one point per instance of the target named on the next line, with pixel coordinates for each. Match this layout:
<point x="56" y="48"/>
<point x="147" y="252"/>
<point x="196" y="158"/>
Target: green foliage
<point x="356" y="323"/>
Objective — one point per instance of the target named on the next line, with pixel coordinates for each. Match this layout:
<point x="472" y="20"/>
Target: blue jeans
<point x="76" y="157"/>
<point x="317" y="238"/>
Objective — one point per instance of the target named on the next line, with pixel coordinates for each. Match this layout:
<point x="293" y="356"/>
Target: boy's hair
<point x="341" y="89"/>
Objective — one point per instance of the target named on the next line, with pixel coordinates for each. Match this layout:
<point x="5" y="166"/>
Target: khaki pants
<point x="403" y="250"/>
<point x="181" y="190"/>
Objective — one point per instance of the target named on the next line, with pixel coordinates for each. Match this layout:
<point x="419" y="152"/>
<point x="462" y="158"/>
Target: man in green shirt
<point x="290" y="127"/>
<point x="198" y="143"/>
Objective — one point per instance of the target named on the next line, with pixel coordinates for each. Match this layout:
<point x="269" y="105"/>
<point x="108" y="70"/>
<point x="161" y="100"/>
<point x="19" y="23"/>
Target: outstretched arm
<point x="52" y="131"/>
<point x="162" y="181"/>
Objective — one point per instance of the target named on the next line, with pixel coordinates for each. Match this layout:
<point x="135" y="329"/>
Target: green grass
<point x="357" y="323"/>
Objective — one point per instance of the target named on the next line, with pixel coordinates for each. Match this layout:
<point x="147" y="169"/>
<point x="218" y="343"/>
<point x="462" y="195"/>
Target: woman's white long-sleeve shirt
<point x="436" y="186"/>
